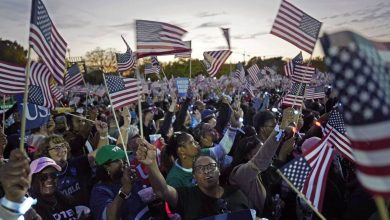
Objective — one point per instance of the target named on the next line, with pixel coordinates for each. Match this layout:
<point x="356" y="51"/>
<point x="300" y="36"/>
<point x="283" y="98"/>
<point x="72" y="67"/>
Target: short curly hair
<point x="43" y="148"/>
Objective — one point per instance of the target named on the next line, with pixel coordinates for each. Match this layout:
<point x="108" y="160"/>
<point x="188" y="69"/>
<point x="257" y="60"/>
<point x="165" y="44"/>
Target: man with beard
<point x="115" y="195"/>
<point x="208" y="198"/>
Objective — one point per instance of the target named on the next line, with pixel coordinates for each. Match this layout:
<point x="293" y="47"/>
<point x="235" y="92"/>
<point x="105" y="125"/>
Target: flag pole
<point x="190" y="67"/>
<point x="300" y="194"/>
<point x="25" y="97"/>
<point x="116" y="121"/>
<point x="166" y="79"/>
<point x="77" y="116"/>
<point x="141" y="123"/>
<point x="3" y="112"/>
<point x="230" y="64"/>
<point x="380" y="203"/>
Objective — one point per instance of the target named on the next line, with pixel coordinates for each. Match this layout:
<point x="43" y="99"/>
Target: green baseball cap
<point x="109" y="153"/>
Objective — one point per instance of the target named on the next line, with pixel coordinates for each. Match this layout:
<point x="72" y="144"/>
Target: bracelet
<point x="20" y="208"/>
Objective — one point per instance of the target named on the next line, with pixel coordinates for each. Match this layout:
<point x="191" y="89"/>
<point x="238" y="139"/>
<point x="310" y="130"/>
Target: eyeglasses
<point x="58" y="147"/>
<point x="205" y="168"/>
<point x="45" y="176"/>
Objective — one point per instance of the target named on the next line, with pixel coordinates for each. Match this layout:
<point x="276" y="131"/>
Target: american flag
<point x="126" y="60"/>
<point x="363" y="86"/>
<point x="308" y="173"/>
<point x="158" y="38"/>
<point x="153" y="67"/>
<point x="12" y="78"/>
<point x="122" y="91"/>
<point x="338" y="136"/>
<point x="57" y="95"/>
<point x="315" y="184"/>
<point x="314" y="92"/>
<point x="39" y="89"/>
<point x="73" y="77"/>
<point x="213" y="60"/>
<point x="46" y="41"/>
<point x="289" y="67"/>
<point x="253" y="71"/>
<point x="248" y="88"/>
<point x="297" y="171"/>
<point x="240" y="73"/>
<point x="295" y="97"/>
<point x="185" y="54"/>
<point x="303" y="73"/>
<point x="225" y="32"/>
<point x="296" y="27"/>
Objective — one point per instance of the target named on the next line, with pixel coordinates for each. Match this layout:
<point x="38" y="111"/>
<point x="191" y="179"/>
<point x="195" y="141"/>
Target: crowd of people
<point x="196" y="157"/>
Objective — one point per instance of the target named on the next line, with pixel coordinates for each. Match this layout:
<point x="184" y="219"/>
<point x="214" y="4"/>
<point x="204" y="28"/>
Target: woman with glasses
<point x="52" y="204"/>
<point x="208" y="198"/>
<point x="75" y="178"/>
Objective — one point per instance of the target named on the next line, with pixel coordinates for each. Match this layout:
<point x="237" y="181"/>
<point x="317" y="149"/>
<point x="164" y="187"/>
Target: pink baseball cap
<point x="41" y="163"/>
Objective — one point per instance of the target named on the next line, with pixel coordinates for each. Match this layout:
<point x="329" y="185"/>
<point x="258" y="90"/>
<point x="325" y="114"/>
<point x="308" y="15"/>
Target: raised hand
<point x="129" y="175"/>
<point x="101" y="127"/>
<point x="92" y="113"/>
<point x="286" y="148"/>
<point x="14" y="176"/>
<point x="124" y="112"/>
<point x="172" y="107"/>
<point x="288" y="117"/>
<point x="146" y="152"/>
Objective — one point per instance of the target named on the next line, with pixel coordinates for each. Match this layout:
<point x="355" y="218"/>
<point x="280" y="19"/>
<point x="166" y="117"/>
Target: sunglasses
<point x="45" y="176"/>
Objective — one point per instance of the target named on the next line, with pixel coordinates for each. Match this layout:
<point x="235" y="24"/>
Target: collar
<point x="189" y="170"/>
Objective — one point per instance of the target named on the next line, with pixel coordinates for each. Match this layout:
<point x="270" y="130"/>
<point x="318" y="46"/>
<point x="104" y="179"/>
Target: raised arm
<point x="123" y="129"/>
<point x="146" y="154"/>
<point x="179" y="122"/>
<point x="168" y="117"/>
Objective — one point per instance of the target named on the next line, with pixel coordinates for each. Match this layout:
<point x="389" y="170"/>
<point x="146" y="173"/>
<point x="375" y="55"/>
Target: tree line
<point x="99" y="61"/>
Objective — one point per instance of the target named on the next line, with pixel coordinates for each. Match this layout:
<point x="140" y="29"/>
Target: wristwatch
<point x="123" y="195"/>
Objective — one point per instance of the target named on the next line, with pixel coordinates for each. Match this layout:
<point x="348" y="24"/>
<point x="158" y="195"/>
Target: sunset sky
<point x="87" y="24"/>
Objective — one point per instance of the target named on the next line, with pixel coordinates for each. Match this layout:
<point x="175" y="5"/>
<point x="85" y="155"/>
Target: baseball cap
<point x="108" y="153"/>
<point x="208" y="113"/>
<point x="146" y="107"/>
<point x="41" y="163"/>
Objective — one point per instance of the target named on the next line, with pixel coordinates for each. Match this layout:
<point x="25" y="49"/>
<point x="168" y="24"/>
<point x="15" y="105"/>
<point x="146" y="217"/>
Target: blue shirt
<point x="103" y="194"/>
